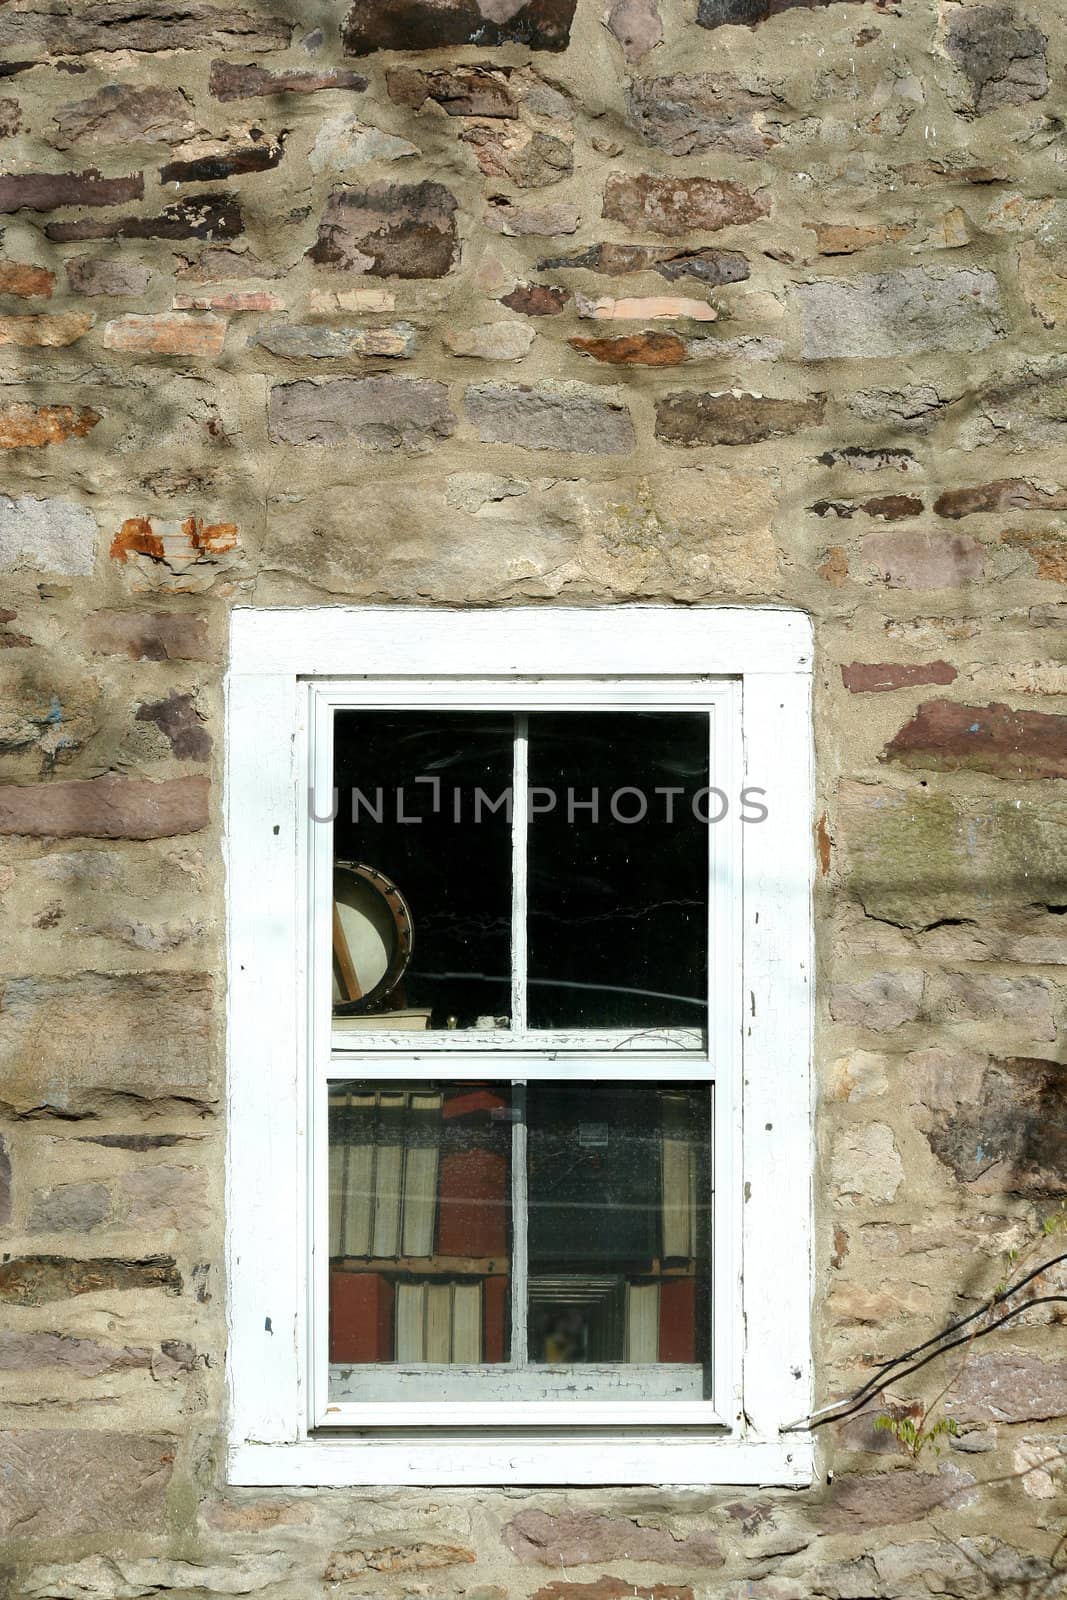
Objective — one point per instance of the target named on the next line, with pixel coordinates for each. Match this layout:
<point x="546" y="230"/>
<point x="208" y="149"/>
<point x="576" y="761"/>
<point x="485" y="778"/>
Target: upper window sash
<point x="719" y="697"/>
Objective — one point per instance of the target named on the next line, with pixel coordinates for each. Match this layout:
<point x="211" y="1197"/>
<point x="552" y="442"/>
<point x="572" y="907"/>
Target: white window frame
<point x="289" y="671"/>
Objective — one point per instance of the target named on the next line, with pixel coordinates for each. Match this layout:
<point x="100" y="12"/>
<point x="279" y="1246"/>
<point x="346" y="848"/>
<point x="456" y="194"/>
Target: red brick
<point x="993" y="738"/>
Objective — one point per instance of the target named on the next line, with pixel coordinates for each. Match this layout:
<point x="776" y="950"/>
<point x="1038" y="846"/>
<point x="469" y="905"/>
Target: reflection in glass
<point x="618" y="869"/>
<point x="619" y="1197"/>
<point x="422" y="870"/>
<point x="420" y="1219"/>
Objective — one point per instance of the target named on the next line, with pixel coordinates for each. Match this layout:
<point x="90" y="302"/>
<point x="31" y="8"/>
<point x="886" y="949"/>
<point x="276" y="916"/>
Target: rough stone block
<point x="44" y="191"/>
<point x="859" y="1501"/>
<point x="26" y="282"/>
<point x="229" y="81"/>
<point x="491" y="341"/>
<point x="378" y="413"/>
<point x="141" y="25"/>
<point x="167" y="333"/>
<point x="583" y="1538"/>
<point x="946" y="736"/>
<point x="915" y="858"/>
<point x="105" y="808"/>
<point x="76" y="1044"/>
<point x="1023" y="1004"/>
<point x="1004" y="494"/>
<point x="567" y="417"/>
<point x="40" y="1280"/>
<point x="25" y="426"/>
<point x="881" y="677"/>
<point x="200" y="216"/>
<point x="148" y="635"/>
<point x="747" y="13"/>
<point x="881" y="1001"/>
<point x="891" y="314"/>
<point x="46" y="536"/>
<point x="648" y="349"/>
<point x="682" y="205"/>
<point x="708" y="265"/>
<point x="689" y="113"/>
<point x="1000" y="55"/>
<point x="66" y="1483"/>
<point x="45" y="331"/>
<point x="70" y="1208"/>
<point x="89" y="275"/>
<point x="1009" y="1386"/>
<point x="312" y="341"/>
<point x="994" y="1122"/>
<point x="692" y="418"/>
<point x="437" y="24"/>
<point x="924" y="560"/>
<point x="122" y="114"/>
<point x="403" y="230"/>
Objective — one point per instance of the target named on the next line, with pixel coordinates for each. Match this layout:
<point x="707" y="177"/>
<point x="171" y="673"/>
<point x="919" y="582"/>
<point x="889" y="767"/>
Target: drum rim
<point x="403" y="922"/>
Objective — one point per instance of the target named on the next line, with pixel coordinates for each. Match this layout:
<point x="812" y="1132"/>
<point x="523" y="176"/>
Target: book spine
<point x="361" y="1317"/>
<point x="678" y="1319"/>
<point x="472" y="1219"/>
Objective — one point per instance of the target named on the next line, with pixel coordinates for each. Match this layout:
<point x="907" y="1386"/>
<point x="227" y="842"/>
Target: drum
<point x="373" y="938"/>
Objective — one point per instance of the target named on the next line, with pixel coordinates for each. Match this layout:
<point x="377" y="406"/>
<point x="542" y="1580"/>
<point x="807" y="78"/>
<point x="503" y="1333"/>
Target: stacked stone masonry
<point x="484" y="303"/>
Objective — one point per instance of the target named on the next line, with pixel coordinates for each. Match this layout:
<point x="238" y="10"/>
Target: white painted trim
<point x="683" y="1459"/>
<point x="268" y="750"/>
<point x="627" y="641"/>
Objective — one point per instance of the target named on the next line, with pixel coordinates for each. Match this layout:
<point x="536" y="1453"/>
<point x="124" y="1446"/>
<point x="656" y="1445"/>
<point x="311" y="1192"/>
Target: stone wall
<point x="487" y="302"/>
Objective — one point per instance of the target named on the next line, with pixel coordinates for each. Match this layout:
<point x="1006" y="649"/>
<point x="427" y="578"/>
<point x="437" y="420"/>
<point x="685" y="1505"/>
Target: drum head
<point x="376" y="923"/>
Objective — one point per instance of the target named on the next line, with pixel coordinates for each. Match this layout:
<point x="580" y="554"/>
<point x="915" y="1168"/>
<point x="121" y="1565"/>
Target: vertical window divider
<point x="519" y="1352"/>
<point x="520" y="819"/>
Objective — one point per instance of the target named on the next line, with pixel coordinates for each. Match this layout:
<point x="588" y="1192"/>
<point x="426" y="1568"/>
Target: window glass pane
<point x="420" y="1224"/>
<point x="618" y="869"/>
<point x="422" y="870"/>
<point x="618" y="1223"/>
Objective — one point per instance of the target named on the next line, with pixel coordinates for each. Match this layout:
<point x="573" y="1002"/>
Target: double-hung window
<point x="519" y="1045"/>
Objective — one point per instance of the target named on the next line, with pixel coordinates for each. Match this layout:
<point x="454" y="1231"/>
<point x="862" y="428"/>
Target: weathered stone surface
<point x="227" y="160"/>
<point x="568" y="417"/>
<point x="229" y="81"/>
<point x="492" y="341"/>
<point x="878" y="677"/>
<point x="99" y="275"/>
<point x="608" y="1588"/>
<point x="865" y="1164"/>
<point x="62" y="1483"/>
<point x="403" y="230"/>
<point x="105" y="808"/>
<point x="26" y="1352"/>
<point x="27" y="426"/>
<point x="77" y="1043"/>
<point x="1000" y="54"/>
<point x="530" y="157"/>
<point x="122" y="114"/>
<point x="915" y="858"/>
<point x="637" y="26"/>
<point x="167" y="333"/>
<point x="344" y="144"/>
<point x="177" y="719"/>
<point x="948" y="736"/>
<point x="515" y="221"/>
<point x="879" y="1499"/>
<point x="680" y="205"/>
<point x="1049" y="551"/>
<point x="26" y="282"/>
<point x="577" y="1538"/>
<point x="344" y="1565"/>
<point x="316" y="341"/>
<point x="892" y="314"/>
<point x="5" y="1184"/>
<point x="536" y="299"/>
<point x="39" y="1280"/>
<point x="924" y="560"/>
<point x="1005" y="494"/>
<point x="747" y="13"/>
<point x="185" y="556"/>
<point x="689" y="113"/>
<point x="462" y="91"/>
<point x="230" y="300"/>
<point x="639" y="308"/>
<point x="70" y="1208"/>
<point x="647" y="349"/>
<point x="1043" y="281"/>
<point x="886" y="507"/>
<point x="202" y="216"/>
<point x="163" y="1197"/>
<point x="45" y="331"/>
<point x="119" y="1577"/>
<point x="255" y="1516"/>
<point x="692" y="418"/>
<point x="844" y="239"/>
<point x="434" y="24"/>
<point x="1009" y="1386"/>
<point x="881" y="1001"/>
<point x="709" y="265"/>
<point x="140" y="25"/>
<point x="10" y="117"/>
<point x="1023" y="1004"/>
<point x="994" y="1122"/>
<point x="379" y="413"/>
<point x="46" y="536"/>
